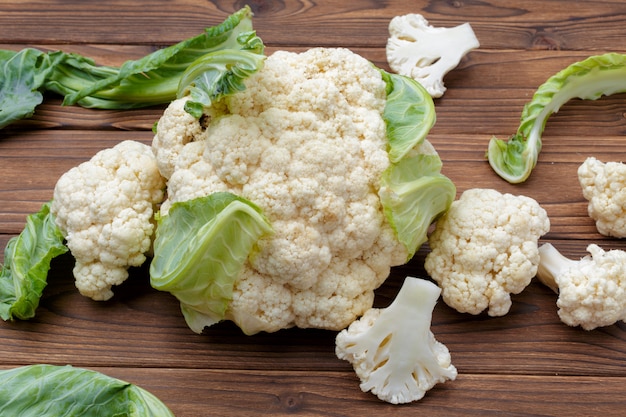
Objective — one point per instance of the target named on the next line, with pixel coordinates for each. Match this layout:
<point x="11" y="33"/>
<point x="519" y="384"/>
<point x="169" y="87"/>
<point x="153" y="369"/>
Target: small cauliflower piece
<point x="485" y="248"/>
<point x="393" y="350"/>
<point x="604" y="186"/>
<point x="104" y="207"/>
<point x="425" y="53"/>
<point x="592" y="290"/>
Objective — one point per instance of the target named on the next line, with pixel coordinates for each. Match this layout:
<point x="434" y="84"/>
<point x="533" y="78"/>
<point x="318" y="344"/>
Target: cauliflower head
<point x="393" y="350"/>
<point x="604" y="187"/>
<point x="485" y="248"/>
<point x="306" y="142"/>
<point x="104" y="207"/>
<point x="591" y="290"/>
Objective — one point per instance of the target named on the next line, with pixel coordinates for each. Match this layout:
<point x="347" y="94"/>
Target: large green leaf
<point x="151" y="80"/>
<point x="52" y="391"/>
<point x="27" y="259"/>
<point x="413" y="190"/>
<point x="155" y="78"/>
<point x="19" y="84"/>
<point x="199" y="250"/>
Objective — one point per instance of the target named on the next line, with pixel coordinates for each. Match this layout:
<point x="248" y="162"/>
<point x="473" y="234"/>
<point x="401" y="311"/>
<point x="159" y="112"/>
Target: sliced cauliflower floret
<point x="485" y="248"/>
<point x="104" y="208"/>
<point x="604" y="186"/>
<point x="393" y="350"/>
<point x="592" y="290"/>
<point x="425" y="53"/>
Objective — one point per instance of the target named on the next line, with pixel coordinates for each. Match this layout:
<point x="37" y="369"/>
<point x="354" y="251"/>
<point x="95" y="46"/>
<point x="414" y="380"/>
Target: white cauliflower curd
<point x="306" y="142"/>
<point x="591" y="290"/>
<point x="603" y="185"/>
<point x="485" y="248"/>
<point x="104" y="207"/>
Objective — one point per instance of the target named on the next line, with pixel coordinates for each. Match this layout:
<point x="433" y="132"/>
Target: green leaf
<point x="51" y="391"/>
<point x="19" y="84"/>
<point x="27" y="259"/>
<point x="409" y="114"/>
<point x="414" y="194"/>
<point x="200" y="248"/>
<point x="154" y="79"/>
<point x="413" y="191"/>
<point x="590" y="79"/>
<point x="221" y="73"/>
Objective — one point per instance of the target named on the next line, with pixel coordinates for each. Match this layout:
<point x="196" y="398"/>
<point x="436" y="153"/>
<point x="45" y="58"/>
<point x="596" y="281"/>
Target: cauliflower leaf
<point x="199" y="250"/>
<point x="27" y="259"/>
<point x="44" y="390"/>
<point x="515" y="158"/>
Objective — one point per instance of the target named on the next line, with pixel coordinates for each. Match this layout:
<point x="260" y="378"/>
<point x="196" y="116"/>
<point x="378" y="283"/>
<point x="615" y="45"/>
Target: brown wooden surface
<point x="526" y="363"/>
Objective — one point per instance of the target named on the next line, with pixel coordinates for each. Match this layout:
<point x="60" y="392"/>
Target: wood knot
<point x="547" y="40"/>
<point x="291" y="401"/>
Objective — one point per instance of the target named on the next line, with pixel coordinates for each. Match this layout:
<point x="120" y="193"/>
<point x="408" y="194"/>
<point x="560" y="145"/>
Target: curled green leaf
<point x="221" y="73"/>
<point x="414" y="194"/>
<point x="597" y="76"/>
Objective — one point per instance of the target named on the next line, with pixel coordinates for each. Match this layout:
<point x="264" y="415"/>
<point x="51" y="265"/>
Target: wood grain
<point x="525" y="363"/>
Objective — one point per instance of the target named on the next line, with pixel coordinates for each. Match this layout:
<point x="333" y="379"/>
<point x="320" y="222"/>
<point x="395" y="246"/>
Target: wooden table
<point x="526" y="363"/>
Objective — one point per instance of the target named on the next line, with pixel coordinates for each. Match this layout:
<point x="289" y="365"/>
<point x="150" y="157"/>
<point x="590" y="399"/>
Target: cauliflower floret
<point x="604" y="186"/>
<point x="486" y="248"/>
<point x="393" y="350"/>
<point x="592" y="290"/>
<point x="104" y="207"/>
<point x="425" y="53"/>
<point x="306" y="142"/>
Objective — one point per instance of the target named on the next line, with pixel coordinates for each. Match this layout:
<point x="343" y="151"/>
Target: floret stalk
<point x="551" y="264"/>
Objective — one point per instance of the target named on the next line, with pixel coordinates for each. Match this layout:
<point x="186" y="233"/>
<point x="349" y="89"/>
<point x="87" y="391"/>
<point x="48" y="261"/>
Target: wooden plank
<point x="189" y="393"/>
<point x="557" y="25"/>
<point x="43" y="156"/>
<point x="527" y="362"/>
<point x="143" y="327"/>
